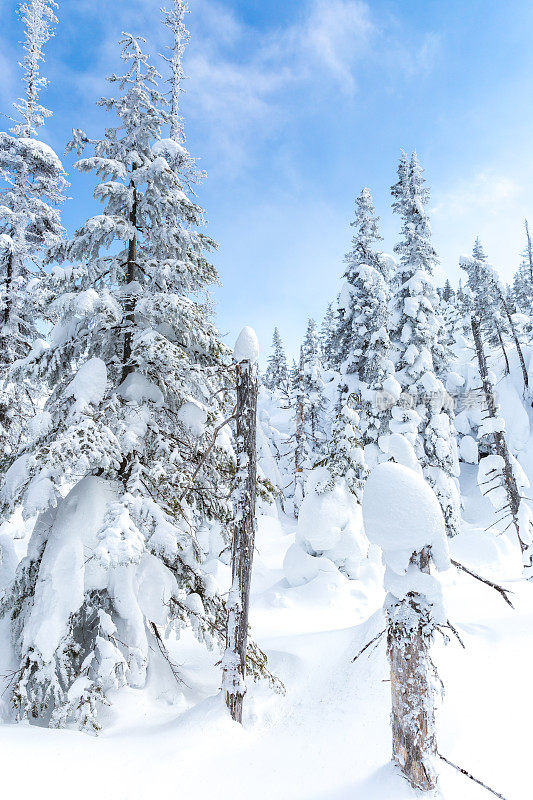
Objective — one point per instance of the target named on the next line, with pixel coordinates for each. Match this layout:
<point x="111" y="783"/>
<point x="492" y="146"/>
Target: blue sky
<point x="293" y="107"/>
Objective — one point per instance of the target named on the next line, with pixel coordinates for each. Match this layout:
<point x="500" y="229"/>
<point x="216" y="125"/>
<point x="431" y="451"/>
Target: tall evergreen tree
<point x="33" y="186"/>
<point x="137" y="372"/>
<point x="277" y="373"/>
<point x="353" y="335"/>
<point x="447" y="293"/>
<point x="424" y="411"/>
<point x="313" y="385"/>
<point x="328" y="337"/>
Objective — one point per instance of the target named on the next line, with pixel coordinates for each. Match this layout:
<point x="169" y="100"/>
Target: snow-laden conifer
<point x="353" y="336"/>
<point x="313" y="386"/>
<point x="277" y="373"/>
<point x="423" y="412"/>
<point x="134" y="424"/>
<point x="32" y="186"/>
<point x="328" y="338"/>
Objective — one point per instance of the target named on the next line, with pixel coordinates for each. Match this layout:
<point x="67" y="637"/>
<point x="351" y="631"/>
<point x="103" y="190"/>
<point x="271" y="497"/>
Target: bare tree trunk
<point x="414" y="745"/>
<point x="299" y="435"/>
<point x="500" y="444"/>
<point x="515" y="338"/>
<point x="234" y="660"/>
<point x="500" y="339"/>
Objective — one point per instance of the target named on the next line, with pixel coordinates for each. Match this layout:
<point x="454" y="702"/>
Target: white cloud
<point x="491" y="203"/>
<point x="486" y="192"/>
<point x="241" y="76"/>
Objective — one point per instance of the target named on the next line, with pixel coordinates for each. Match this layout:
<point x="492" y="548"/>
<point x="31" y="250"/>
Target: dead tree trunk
<point x="299" y="436"/>
<point x="500" y="339"/>
<point x="409" y="637"/>
<point x="514" y="334"/>
<point x="500" y="444"/>
<point x="234" y="660"/>
<point x="125" y="468"/>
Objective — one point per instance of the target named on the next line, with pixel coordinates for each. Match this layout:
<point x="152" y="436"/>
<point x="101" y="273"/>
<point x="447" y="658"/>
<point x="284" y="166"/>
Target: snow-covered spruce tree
<point x="300" y="442"/>
<point x="134" y="424"/>
<point x="328" y="337"/>
<point x="308" y="401"/>
<point x="345" y="459"/>
<point x="330" y="532"/>
<point x="424" y="411"/>
<point x="493" y="307"/>
<point x="32" y="185"/>
<point x="492" y="303"/>
<point x="370" y="319"/>
<point x="352" y="334"/>
<point x="447" y="292"/>
<point x="277" y="373"/>
<point x="313" y="386"/>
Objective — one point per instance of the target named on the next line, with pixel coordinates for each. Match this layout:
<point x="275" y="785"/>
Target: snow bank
<point x="329" y="525"/>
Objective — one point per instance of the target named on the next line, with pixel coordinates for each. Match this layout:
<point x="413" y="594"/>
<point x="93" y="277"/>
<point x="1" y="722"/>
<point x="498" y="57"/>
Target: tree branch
<point x="497" y="587"/>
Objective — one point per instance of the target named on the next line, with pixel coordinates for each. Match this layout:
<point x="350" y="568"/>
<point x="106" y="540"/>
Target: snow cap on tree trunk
<point x="246" y="347"/>
<point x="402" y="515"/>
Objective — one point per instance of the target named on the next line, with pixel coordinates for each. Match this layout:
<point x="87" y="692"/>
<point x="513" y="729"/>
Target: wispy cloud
<point x="485" y="193"/>
<point x="248" y="81"/>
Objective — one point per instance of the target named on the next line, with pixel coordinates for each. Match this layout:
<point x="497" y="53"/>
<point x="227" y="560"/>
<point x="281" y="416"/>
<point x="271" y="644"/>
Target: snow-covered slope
<point x="329" y="736"/>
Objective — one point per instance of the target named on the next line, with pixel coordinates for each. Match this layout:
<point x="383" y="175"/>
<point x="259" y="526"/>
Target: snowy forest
<point x="224" y="571"/>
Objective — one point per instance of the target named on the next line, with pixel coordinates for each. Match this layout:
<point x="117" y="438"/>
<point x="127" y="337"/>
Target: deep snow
<point x="329" y="736"/>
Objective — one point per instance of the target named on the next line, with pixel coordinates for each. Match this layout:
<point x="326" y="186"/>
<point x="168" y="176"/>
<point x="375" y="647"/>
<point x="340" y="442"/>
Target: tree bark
<point x="414" y="745"/>
<point x="234" y="660"/>
<point x="500" y="444"/>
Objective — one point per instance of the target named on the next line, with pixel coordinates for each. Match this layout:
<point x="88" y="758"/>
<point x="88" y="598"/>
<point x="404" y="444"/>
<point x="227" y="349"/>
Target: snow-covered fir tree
<point x="352" y="333"/>
<point x="423" y="412"/>
<point x="313" y="386"/>
<point x="133" y="428"/>
<point x="32" y="186"/>
<point x="447" y="292"/>
<point x="328" y="338"/>
<point x="277" y="374"/>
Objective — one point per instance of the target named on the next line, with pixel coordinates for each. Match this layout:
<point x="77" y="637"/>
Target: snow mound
<point x="136" y="388"/>
<point x="246" y="347"/>
<point x="330" y="525"/>
<point x="402" y="515"/>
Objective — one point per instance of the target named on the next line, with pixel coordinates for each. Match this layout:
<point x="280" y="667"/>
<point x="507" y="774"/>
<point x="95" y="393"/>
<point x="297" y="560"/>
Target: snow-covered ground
<point x="329" y="736"/>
